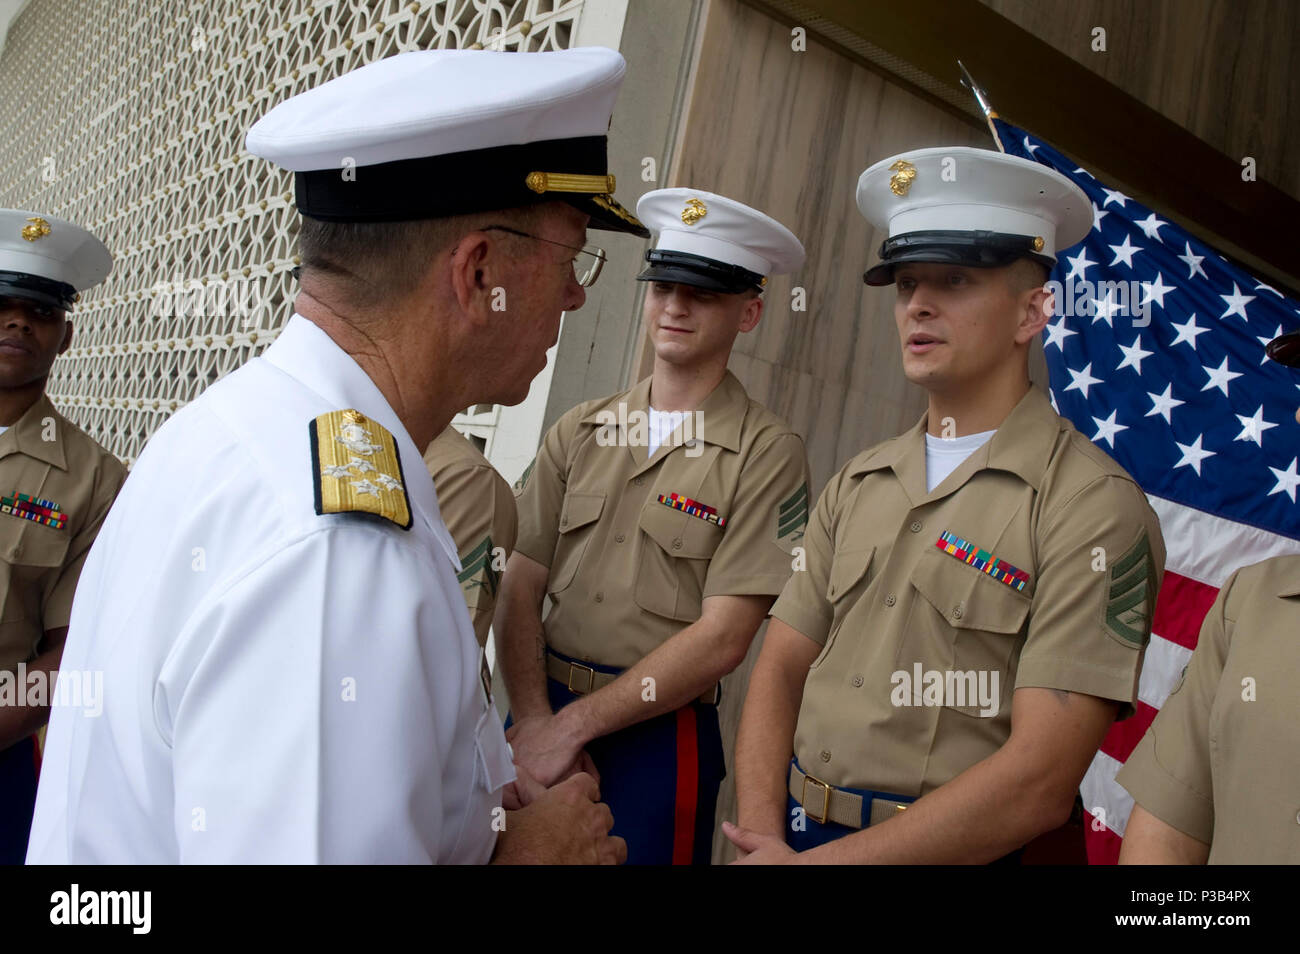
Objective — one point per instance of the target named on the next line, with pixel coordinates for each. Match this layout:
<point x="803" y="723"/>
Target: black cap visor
<point x="42" y="291"/>
<point x="977" y="249"/>
<point x="683" y="268"/>
<point x="1285" y="349"/>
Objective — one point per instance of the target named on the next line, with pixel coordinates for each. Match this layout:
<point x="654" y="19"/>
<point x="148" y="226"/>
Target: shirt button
<point x="619" y="537"/>
<point x="890" y="600"/>
<point x="638" y="481"/>
<point x="677" y="543"/>
<point x="956" y="611"/>
<point x="826" y="756"/>
<point x="916" y="526"/>
<point x="18" y="550"/>
<point x="600" y="597"/>
<point x="857" y="681"/>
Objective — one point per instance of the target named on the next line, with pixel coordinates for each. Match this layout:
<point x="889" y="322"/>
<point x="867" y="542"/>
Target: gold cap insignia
<point x="901" y="180"/>
<point x="37" y="230"/>
<point x="1038" y="243"/>
<point x="694" y="211"/>
<point x="356" y="468"/>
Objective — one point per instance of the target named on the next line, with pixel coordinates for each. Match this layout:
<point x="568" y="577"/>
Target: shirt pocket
<point x="966" y="622"/>
<point x="674" y="561"/>
<point x="577" y="519"/>
<point x="848" y="581"/>
<point x="33" y="555"/>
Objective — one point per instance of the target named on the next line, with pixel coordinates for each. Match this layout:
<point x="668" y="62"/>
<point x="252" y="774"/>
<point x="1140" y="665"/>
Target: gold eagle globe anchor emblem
<point x="694" y="211"/>
<point x="901" y="180"/>
<point x="38" y="229"/>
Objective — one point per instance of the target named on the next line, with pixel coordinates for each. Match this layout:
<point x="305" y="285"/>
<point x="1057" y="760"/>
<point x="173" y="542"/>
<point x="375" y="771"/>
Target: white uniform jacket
<point x="277" y="685"/>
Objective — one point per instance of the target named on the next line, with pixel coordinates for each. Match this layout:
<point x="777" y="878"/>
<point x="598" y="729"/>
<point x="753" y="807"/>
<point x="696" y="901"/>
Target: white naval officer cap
<point x="48" y="260"/>
<point x="433" y="133"/>
<point x="710" y="241"/>
<point x="964" y="206"/>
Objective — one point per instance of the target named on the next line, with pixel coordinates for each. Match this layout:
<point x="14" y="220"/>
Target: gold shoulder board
<point x="356" y="468"/>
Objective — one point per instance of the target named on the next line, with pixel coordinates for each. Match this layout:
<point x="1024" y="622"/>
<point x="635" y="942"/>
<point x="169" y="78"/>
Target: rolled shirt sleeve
<point x="1169" y="773"/>
<point x="539" y="494"/>
<point x="769" y="519"/>
<point x="1099" y="570"/>
<point x="803" y="604"/>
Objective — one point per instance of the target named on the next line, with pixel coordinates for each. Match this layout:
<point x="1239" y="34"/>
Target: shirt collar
<point x="721" y="415"/>
<point x="1022" y="444"/>
<point x="304" y="351"/>
<point x="27" y="435"/>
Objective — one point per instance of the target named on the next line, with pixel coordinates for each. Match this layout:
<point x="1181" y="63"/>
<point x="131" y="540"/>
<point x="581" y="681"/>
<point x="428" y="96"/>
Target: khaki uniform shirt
<point x="47" y="458"/>
<point x="1221" y="761"/>
<point x="888" y="605"/>
<point x="479" y="510"/>
<point x="628" y="571"/>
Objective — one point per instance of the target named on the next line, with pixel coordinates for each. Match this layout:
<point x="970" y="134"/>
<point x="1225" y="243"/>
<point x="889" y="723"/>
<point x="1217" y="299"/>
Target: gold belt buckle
<point x="826" y="799"/>
<point x="591" y="678"/>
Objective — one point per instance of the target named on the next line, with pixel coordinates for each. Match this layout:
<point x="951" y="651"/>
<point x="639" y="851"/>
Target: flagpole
<point x="989" y="114"/>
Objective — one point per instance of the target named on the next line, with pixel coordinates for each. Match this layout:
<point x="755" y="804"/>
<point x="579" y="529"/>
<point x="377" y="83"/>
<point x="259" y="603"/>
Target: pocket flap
<point x="967" y="598"/>
<point x="846" y="569"/>
<point x="580" y="510"/>
<point x="26" y="543"/>
<point x="680" y="534"/>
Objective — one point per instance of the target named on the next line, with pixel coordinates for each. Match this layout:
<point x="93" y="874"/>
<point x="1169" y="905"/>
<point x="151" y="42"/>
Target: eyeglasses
<point x="586" y="264"/>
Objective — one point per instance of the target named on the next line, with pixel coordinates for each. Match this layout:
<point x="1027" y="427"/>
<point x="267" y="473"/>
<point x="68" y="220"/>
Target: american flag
<point x="1191" y="407"/>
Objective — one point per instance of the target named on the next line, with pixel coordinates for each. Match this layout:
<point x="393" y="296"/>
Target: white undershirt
<point x="943" y="455"/>
<point x="662" y="424"/>
<point x="3" y="428"/>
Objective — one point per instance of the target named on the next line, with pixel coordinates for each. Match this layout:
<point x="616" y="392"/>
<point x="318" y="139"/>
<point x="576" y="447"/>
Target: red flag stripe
<point x="1180" y="609"/>
<point x="1102" y="844"/>
<point x="1123" y="737"/>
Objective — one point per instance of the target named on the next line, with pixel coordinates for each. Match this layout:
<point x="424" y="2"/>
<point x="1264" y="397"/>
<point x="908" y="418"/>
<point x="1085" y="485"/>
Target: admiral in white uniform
<point x="290" y="674"/>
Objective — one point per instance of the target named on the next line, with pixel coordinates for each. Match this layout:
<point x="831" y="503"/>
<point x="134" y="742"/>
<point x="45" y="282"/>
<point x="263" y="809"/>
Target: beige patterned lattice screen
<point x="129" y="118"/>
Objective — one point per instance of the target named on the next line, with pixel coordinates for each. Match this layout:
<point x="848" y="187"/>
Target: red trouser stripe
<point x="688" y="786"/>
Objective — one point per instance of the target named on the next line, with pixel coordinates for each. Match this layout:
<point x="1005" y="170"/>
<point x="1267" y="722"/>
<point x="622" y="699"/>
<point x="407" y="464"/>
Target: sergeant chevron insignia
<point x="479" y="561"/>
<point x="792" y="516"/>
<point x="356" y="468"/>
<point x="518" y="488"/>
<point x="1127" y="615"/>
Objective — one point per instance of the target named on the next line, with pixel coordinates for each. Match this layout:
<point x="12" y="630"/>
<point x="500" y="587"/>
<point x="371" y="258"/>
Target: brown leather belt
<point x="823" y="802"/>
<point x="582" y="680"/>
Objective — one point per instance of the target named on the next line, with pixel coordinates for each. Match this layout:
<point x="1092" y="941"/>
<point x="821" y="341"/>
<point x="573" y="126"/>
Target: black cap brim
<point x="975" y="249"/>
<point x="1285" y="349"/>
<point x="685" y="268"/>
<point x="606" y="213"/>
<point x="42" y="291"/>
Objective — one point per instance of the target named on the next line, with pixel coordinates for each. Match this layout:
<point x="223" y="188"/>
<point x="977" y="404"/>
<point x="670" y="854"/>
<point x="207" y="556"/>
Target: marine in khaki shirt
<point x="660" y="562"/>
<point x="934" y="684"/>
<point x="1217" y="776"/>
<point x="56" y="486"/>
<point x="478" y="508"/>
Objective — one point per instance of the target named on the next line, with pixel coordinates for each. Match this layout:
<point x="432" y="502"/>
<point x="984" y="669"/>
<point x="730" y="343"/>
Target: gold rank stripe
<point x="356" y="468"/>
<point x="568" y="182"/>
